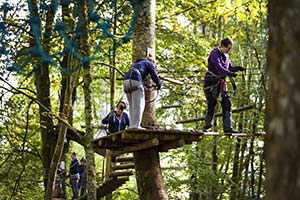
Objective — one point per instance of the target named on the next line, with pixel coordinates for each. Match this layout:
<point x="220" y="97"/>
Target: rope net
<point x="26" y="43"/>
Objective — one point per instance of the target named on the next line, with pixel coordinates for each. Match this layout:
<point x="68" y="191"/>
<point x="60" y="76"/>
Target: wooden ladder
<point x="118" y="170"/>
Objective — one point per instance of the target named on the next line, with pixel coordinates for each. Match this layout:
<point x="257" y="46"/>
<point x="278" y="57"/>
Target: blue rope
<point x="69" y="43"/>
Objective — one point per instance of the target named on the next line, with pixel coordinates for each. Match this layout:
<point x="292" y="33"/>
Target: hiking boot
<point x="231" y="130"/>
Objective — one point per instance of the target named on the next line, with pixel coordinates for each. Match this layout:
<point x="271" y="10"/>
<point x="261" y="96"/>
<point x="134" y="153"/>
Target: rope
<point x="68" y="37"/>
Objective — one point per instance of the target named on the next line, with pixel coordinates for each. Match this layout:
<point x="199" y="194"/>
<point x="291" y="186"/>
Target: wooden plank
<point x="109" y="186"/>
<point x="115" y="137"/>
<point x="124" y="159"/>
<point x="122" y="173"/>
<point x="128" y="149"/>
<point x="147" y="136"/>
<point x="162" y="136"/>
<point x="211" y="133"/>
<point x="238" y="134"/>
<point x="123" y="166"/>
<point x="164" y="131"/>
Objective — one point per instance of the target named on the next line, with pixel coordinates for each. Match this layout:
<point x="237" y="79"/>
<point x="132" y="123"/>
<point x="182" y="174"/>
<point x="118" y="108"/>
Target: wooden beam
<point x="172" y="145"/>
<point x="123" y="166"/>
<point x="144" y="145"/>
<point x="146" y="136"/>
<point x="171" y="80"/>
<point x="216" y="115"/>
<point x="119" y="174"/>
<point x="211" y="133"/>
<point x="170" y="106"/>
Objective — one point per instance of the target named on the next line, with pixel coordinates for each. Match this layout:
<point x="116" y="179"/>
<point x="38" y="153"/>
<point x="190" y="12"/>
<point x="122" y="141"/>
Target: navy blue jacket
<point x="114" y="124"/>
<point x="74" y="167"/>
<point x="145" y="67"/>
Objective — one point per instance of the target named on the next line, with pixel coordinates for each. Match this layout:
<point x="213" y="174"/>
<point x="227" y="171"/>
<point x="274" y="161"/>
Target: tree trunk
<point x="235" y="171"/>
<point x="283" y="127"/>
<point x="148" y="171"/>
<point x="87" y="79"/>
<point x="149" y="175"/>
<point x="61" y="138"/>
<point x="214" y="155"/>
<point x="42" y="84"/>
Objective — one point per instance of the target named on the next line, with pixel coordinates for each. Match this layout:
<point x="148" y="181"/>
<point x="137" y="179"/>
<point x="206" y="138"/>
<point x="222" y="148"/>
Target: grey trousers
<point x="136" y="101"/>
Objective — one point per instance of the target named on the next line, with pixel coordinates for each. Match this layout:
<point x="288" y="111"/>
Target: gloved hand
<point x="242" y="68"/>
<point x="158" y="87"/>
<point x="232" y="75"/>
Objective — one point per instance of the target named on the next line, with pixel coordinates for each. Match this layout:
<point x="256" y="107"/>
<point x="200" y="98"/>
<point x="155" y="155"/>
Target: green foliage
<point x="186" y="31"/>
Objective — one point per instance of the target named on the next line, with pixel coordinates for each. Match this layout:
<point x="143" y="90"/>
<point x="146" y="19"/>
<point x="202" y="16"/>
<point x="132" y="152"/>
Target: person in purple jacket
<point x="219" y="67"/>
<point x="117" y="120"/>
<point x="133" y="87"/>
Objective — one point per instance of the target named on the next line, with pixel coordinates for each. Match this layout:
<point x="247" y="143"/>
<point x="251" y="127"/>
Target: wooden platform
<point x="131" y="140"/>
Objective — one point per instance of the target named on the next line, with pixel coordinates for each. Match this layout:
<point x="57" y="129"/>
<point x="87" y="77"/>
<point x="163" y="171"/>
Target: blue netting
<point x="36" y="55"/>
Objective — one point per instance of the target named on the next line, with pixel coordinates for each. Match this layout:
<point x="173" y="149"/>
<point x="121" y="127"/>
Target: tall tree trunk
<point x="61" y="138"/>
<point x="148" y="171"/>
<point x="283" y="128"/>
<point x="87" y="79"/>
<point x="42" y="84"/>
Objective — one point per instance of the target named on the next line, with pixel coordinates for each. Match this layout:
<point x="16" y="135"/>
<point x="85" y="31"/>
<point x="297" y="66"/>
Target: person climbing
<point x="74" y="175"/>
<point x="82" y="176"/>
<point x="117" y="119"/>
<point x="133" y="86"/>
<point x="219" y="67"/>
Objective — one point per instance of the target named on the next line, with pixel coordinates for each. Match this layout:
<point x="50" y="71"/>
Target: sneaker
<point x="206" y="128"/>
<point x="231" y="130"/>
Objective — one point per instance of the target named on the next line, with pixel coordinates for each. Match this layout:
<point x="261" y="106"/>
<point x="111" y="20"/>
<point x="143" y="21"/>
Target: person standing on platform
<point x="74" y="175"/>
<point x="134" y="88"/>
<point x="82" y="176"/>
<point x="117" y="120"/>
<point x="219" y="67"/>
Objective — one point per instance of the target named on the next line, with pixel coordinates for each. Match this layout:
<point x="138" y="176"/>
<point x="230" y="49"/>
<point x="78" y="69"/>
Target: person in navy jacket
<point x="74" y="175"/>
<point x="219" y="67"/>
<point x="134" y="88"/>
<point x="117" y="120"/>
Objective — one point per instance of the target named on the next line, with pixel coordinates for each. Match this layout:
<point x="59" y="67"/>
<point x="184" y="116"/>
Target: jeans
<point x="74" y="178"/>
<point x="211" y="95"/>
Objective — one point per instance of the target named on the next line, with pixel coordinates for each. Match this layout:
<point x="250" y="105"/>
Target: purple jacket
<point x="220" y="66"/>
<point x="144" y="68"/>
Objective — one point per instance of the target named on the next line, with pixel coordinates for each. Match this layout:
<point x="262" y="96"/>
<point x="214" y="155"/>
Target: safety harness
<point x="221" y="83"/>
<point x="133" y="88"/>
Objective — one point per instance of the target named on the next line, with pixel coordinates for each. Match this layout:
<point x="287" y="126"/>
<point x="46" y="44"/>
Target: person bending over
<point x="134" y="88"/>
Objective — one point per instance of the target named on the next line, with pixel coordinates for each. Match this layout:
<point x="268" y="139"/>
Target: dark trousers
<point x="212" y="93"/>
<point x="74" y="185"/>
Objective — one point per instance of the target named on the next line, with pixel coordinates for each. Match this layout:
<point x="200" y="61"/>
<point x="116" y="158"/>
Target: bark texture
<point x="283" y="128"/>
<point x="148" y="170"/>
<point x="87" y="88"/>
<point x="42" y="84"/>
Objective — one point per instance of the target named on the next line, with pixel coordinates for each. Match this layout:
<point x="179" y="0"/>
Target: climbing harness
<point x="133" y="88"/>
<point x="221" y="83"/>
